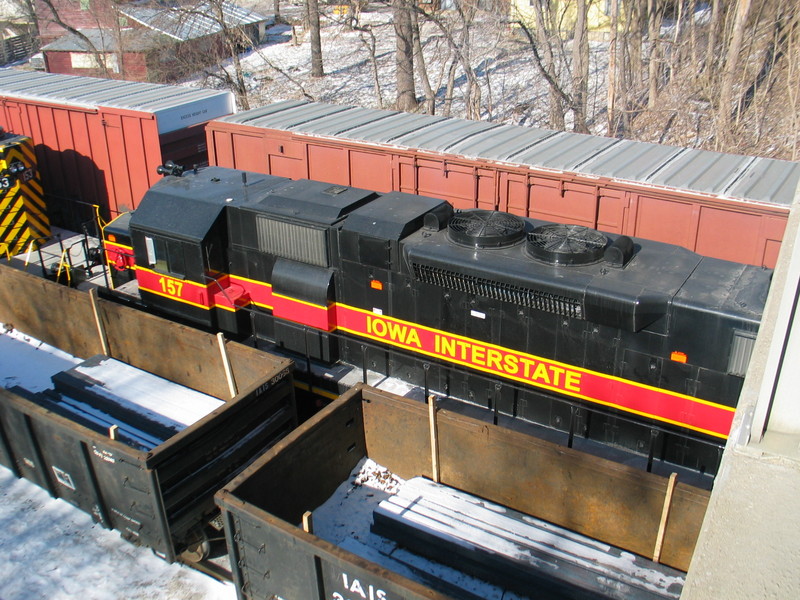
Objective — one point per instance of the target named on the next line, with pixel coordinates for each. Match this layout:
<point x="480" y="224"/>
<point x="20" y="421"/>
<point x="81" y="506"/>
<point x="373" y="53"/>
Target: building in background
<point x="18" y="39"/>
<point x="143" y="41"/>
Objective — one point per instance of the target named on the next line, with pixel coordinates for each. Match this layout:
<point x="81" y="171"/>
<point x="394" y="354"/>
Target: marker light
<point x="375" y="284"/>
<point x="679" y="357"/>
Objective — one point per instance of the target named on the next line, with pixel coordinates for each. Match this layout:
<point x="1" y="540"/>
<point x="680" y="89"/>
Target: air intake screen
<point x="505" y="292"/>
<point x="296" y="242"/>
<point x="741" y="350"/>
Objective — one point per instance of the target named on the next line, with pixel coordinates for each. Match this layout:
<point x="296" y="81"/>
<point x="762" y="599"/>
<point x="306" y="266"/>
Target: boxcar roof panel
<point x="768" y="180"/>
<point x="91" y="92"/>
<point x="630" y="160"/>
<point x="342" y="123"/>
<point x="564" y="151"/>
<point x="505" y="141"/>
<point x="292" y="117"/>
<point x="392" y="128"/>
<point x="701" y="171"/>
<point x="725" y="175"/>
<point x="255" y="116"/>
<point x="440" y="136"/>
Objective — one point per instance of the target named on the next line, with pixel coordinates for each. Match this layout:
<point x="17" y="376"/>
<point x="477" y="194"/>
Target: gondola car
<point x="530" y="312"/>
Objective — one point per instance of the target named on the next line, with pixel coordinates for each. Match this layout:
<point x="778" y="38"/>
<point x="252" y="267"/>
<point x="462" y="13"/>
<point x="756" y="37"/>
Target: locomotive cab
<point x="179" y="235"/>
<point x="179" y="254"/>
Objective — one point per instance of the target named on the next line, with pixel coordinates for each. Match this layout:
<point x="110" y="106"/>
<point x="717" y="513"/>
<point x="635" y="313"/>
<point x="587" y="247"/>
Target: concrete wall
<point x="749" y="544"/>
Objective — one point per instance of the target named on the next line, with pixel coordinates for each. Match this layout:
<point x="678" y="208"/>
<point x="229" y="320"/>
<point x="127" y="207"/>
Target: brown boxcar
<point x="100" y="141"/>
<point x="720" y="205"/>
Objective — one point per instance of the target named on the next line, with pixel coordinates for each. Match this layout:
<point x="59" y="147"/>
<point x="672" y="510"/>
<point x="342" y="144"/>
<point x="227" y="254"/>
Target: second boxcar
<point x="719" y="205"/>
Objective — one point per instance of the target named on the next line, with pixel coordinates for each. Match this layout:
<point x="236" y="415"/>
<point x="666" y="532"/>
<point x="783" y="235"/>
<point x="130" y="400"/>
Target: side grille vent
<point x="530" y="298"/>
<point x="741" y="351"/>
<point x="289" y="240"/>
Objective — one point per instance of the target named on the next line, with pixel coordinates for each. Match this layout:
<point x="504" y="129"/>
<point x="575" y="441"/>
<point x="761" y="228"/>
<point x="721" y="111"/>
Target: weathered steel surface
<point x="63" y="317"/>
<point x="599" y="498"/>
<point x="271" y="555"/>
<point x="305" y="468"/>
<point x="602" y="499"/>
<point x="157" y="497"/>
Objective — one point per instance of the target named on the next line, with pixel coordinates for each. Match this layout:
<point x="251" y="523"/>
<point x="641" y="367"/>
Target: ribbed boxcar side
<point x="718" y="205"/>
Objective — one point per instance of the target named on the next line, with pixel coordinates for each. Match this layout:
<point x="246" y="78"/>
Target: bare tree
<point x="404" y="55"/>
<point x="724" y="109"/>
<point x="458" y="36"/>
<point x="655" y="13"/>
<point x="316" y="38"/>
<point x="793" y="86"/>
<point x="216" y="55"/>
<point x="422" y="69"/>
<point x="712" y="36"/>
<point x="612" y="76"/>
<point x="99" y="54"/>
<point x="558" y="95"/>
<point x="546" y="29"/>
<point x="580" y="67"/>
<point x="367" y="37"/>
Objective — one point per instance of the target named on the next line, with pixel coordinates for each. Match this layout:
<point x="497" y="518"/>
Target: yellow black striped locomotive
<point x="529" y="313"/>
<point x="23" y="216"/>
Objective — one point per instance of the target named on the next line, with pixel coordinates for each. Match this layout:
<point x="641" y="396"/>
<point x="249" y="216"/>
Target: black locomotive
<point x="529" y="312"/>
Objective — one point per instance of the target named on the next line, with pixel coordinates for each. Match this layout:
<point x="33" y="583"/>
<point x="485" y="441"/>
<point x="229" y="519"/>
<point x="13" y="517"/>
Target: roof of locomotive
<point x="395" y="215"/>
<point x="186" y="207"/>
<point x="630" y="296"/>
<point x="312" y="202"/>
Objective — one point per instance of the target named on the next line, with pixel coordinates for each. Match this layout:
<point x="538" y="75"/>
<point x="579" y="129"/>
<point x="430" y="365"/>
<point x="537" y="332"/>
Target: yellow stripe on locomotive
<point x="24" y="224"/>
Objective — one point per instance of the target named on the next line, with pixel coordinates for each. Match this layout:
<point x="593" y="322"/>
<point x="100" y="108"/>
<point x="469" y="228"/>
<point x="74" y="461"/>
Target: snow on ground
<point x="512" y="89"/>
<point x="158" y="399"/>
<point x="51" y="550"/>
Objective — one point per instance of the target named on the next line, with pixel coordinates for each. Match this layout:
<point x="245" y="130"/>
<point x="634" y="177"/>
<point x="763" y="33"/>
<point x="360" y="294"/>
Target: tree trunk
<point x="316" y="38"/>
<point x="276" y="8"/>
<point x="654" y="14"/>
<point x="451" y="84"/>
<point x="630" y="66"/>
<point x="544" y="35"/>
<point x="422" y="69"/>
<point x="404" y="56"/>
<point x="99" y="56"/>
<point x="725" y="109"/>
<point x="580" y="68"/>
<point x="612" y="70"/>
<point x="713" y="31"/>
<point x="371" y="45"/>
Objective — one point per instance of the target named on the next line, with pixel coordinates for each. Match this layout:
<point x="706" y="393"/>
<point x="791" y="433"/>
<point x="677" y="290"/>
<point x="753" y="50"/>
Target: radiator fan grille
<point x="566" y="244"/>
<point x="485" y="229"/>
